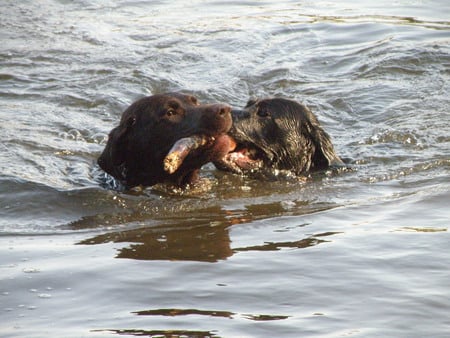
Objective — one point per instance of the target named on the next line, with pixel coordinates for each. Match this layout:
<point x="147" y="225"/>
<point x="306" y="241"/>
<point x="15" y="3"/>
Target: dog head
<point x="279" y="134"/>
<point x="135" y="151"/>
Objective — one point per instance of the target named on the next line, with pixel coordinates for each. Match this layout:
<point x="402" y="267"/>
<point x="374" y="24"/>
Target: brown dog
<point x="154" y="127"/>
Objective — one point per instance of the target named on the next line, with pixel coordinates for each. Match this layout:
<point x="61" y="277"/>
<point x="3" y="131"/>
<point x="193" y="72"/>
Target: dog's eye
<point x="263" y="113"/>
<point x="170" y="112"/>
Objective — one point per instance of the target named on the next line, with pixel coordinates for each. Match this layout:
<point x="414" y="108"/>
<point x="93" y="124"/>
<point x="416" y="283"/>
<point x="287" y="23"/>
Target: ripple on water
<point x="362" y="252"/>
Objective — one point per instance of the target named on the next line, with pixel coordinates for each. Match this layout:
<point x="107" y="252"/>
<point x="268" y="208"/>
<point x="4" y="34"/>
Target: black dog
<point x="278" y="134"/>
<point x="137" y="150"/>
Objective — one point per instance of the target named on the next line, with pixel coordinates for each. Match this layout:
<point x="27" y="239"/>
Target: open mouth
<point x="240" y="157"/>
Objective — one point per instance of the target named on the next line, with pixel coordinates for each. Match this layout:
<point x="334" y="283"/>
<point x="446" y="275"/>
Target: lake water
<point x="362" y="254"/>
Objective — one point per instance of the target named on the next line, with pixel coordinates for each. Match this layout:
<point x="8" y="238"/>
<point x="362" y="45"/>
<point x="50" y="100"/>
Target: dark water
<point x="362" y="254"/>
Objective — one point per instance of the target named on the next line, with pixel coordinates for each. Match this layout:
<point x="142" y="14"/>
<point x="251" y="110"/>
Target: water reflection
<point x="302" y="243"/>
<point x="184" y="312"/>
<point x="188" y="312"/>
<point x="191" y="237"/>
<point x="223" y="314"/>
<point x="198" y="243"/>
<point x="160" y="333"/>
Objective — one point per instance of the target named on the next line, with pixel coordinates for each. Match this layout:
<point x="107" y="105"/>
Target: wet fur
<point x="136" y="148"/>
<point x="285" y="134"/>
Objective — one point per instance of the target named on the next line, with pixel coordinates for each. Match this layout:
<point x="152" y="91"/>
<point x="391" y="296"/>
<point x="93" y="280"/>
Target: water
<point x="363" y="253"/>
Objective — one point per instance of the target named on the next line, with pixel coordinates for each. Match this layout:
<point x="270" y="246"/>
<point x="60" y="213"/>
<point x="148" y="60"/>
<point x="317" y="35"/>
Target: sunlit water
<point x="363" y="253"/>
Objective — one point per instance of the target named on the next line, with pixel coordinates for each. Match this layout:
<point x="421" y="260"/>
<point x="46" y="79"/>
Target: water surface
<point x="364" y="253"/>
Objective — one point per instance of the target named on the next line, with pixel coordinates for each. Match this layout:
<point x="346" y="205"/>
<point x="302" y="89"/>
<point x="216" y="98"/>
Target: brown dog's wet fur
<point x="136" y="149"/>
<point x="278" y="134"/>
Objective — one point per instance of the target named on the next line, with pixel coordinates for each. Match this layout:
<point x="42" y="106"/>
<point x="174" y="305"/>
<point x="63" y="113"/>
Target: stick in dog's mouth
<point x="182" y="148"/>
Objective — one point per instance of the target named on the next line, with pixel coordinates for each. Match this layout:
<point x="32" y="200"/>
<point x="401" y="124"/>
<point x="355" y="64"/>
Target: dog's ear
<point x="114" y="154"/>
<point x="324" y="155"/>
<point x="119" y="141"/>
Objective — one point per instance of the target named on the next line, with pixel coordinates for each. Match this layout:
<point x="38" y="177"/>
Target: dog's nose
<point x="216" y="118"/>
<point x="221" y="109"/>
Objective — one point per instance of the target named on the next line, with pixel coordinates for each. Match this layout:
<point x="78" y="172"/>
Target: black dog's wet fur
<point x="285" y="134"/>
<point x="136" y="148"/>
